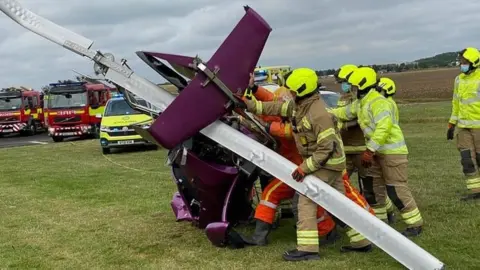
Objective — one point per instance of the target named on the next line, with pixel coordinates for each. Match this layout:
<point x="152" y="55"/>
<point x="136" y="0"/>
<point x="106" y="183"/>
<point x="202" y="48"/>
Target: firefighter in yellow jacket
<point x="386" y="153"/>
<point x="354" y="145"/>
<point x="321" y="148"/>
<point x="466" y="118"/>
<point x="353" y="140"/>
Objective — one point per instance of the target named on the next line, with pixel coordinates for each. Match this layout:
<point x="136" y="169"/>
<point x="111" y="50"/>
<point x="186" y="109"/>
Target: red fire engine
<point x="21" y="111"/>
<point x="75" y="108"/>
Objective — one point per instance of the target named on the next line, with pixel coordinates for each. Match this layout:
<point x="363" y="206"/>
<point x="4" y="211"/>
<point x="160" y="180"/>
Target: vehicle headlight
<point x="104" y="128"/>
<point x="145" y="126"/>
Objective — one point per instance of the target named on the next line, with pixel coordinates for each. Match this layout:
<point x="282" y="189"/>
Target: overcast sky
<point x="319" y="34"/>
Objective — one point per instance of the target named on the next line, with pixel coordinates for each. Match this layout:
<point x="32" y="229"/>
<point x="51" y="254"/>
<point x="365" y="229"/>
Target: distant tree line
<point x="448" y="59"/>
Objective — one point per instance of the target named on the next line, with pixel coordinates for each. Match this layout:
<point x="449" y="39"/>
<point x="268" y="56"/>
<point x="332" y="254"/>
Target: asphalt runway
<point x="17" y="140"/>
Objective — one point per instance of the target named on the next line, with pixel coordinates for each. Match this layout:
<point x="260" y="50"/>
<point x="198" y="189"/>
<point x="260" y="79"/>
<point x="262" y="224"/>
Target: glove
<point x="450" y="131"/>
<point x="248" y="94"/>
<point x="367" y="158"/>
<point x="298" y="174"/>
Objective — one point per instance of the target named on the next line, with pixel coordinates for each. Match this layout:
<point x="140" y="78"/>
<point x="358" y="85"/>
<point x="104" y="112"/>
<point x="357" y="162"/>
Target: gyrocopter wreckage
<point x="215" y="161"/>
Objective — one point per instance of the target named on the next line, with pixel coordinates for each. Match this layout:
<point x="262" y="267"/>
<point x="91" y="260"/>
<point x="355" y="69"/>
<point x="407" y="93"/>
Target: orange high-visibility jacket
<point x="280" y="129"/>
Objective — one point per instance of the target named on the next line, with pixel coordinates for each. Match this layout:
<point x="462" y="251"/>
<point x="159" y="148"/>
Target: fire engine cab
<point x="21" y="111"/>
<point x="73" y="109"/>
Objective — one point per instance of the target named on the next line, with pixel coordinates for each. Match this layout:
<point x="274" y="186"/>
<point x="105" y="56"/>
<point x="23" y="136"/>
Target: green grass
<point x="79" y="210"/>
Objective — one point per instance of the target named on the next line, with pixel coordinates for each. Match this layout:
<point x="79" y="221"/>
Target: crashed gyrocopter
<point x="194" y="141"/>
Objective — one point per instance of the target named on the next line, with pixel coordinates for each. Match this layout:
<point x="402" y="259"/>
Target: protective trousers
<point x="350" y="191"/>
<point x="275" y="192"/>
<point x="354" y="164"/>
<point x="390" y="172"/>
<point x="468" y="143"/>
<point x="307" y="235"/>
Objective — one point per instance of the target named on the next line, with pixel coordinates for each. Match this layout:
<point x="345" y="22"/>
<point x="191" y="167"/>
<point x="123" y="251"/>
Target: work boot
<point x="391" y="217"/>
<point x="351" y="248"/>
<point x="414" y="231"/>
<point x="298" y="255"/>
<point x="472" y="196"/>
<point x="330" y="238"/>
<point x="259" y="237"/>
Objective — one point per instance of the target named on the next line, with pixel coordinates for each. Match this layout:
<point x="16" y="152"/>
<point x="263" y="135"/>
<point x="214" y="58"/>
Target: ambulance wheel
<point x="57" y="139"/>
<point x="106" y="151"/>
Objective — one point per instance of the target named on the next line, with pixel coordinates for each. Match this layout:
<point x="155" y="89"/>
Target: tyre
<point x="57" y="139"/>
<point x="96" y="132"/>
<point x="32" y="128"/>
<point x="153" y="147"/>
<point x="106" y="151"/>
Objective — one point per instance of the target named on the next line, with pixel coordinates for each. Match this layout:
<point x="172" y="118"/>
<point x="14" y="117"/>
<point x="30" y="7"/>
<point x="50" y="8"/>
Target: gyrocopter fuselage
<point x="193" y="127"/>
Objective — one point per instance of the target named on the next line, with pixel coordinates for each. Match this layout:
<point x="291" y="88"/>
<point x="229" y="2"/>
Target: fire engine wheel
<point x="32" y="128"/>
<point x="105" y="151"/>
<point x="57" y="139"/>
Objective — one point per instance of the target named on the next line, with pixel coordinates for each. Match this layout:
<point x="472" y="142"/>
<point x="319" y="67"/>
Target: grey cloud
<point x="318" y="34"/>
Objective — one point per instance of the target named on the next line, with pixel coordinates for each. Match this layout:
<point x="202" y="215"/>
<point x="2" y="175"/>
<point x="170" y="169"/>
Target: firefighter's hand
<point x="298" y="174"/>
<point x="251" y="84"/>
<point x="367" y="158"/>
<point x="251" y="81"/>
<point x="450" y="131"/>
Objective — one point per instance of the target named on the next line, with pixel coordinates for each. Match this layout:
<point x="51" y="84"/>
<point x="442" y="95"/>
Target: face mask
<point x="464" y="68"/>
<point x="346" y="87"/>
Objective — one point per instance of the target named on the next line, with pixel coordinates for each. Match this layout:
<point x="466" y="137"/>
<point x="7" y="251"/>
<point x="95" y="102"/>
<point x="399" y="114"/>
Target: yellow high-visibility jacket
<point x="377" y="118"/>
<point x="466" y="100"/>
<point x="395" y="107"/>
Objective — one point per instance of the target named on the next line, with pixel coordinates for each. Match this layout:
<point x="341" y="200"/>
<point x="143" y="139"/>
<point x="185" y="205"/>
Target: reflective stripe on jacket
<point x="466" y="100"/>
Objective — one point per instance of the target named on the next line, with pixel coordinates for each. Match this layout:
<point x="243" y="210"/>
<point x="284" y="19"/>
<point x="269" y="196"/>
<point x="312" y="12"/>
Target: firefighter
<point x="387" y="88"/>
<point x="277" y="191"/>
<point x="466" y="118"/>
<point x="386" y="153"/>
<point x="321" y="148"/>
<point x="354" y="142"/>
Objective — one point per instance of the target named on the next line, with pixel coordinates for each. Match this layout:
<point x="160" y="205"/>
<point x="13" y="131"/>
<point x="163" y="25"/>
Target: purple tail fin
<point x="198" y="106"/>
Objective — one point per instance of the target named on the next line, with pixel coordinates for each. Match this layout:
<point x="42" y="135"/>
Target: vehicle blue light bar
<point x="67" y="84"/>
<point x="117" y="96"/>
<point x="260" y="72"/>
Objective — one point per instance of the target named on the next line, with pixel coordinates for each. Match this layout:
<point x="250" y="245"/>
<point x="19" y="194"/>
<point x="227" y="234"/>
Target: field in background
<point x="417" y="86"/>
<point x="412" y="86"/>
<point x="79" y="209"/>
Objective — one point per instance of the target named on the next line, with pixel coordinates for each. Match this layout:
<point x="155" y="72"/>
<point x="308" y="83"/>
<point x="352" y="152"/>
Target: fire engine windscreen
<point x="10" y="104"/>
<point x="121" y="107"/>
<point x="67" y="100"/>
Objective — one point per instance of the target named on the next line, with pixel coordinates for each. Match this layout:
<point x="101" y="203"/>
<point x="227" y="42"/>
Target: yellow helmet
<point x="342" y="73"/>
<point x="472" y="55"/>
<point x="302" y="81"/>
<point x="387" y="85"/>
<point x="363" y="78"/>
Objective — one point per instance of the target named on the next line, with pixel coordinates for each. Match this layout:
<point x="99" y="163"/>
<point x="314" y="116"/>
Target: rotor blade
<point x="42" y="26"/>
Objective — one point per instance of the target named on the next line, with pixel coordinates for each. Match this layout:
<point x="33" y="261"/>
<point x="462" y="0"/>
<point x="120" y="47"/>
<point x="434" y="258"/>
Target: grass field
<point x="80" y="210"/>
